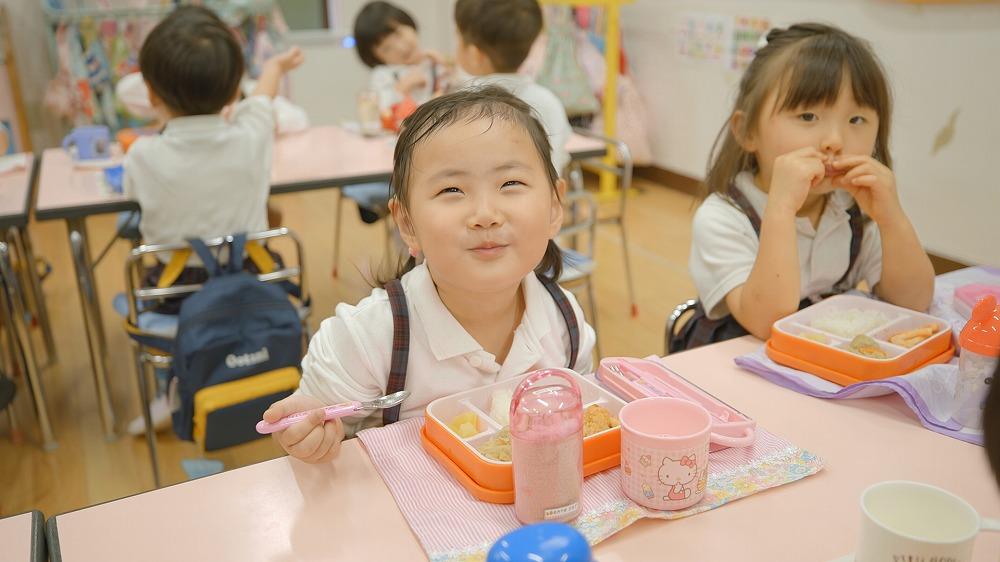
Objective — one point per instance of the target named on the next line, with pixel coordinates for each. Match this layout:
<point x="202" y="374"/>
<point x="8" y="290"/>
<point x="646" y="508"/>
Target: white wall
<point x="939" y="58"/>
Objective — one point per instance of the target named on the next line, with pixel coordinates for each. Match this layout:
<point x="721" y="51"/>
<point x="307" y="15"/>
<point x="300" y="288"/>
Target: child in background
<point x="404" y="75"/>
<point x="474" y="193"/>
<point x="204" y="176"/>
<point x="494" y="38"/>
<point x="803" y="201"/>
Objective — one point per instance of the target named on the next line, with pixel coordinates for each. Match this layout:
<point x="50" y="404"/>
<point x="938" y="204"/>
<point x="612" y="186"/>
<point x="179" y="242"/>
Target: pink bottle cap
<point x="549" y="412"/>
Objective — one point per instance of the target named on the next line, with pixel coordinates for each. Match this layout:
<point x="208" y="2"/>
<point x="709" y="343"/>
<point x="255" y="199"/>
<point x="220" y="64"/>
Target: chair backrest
<point x="623" y="169"/>
<point x="138" y="289"/>
<point x="673" y="326"/>
<point x="580" y="218"/>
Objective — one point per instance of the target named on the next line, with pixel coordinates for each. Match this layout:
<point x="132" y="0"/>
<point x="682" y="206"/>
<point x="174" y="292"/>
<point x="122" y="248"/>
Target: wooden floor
<point x="86" y="469"/>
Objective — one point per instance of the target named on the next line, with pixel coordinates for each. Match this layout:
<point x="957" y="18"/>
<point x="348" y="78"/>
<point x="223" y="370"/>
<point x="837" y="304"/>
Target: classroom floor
<point x="86" y="469"/>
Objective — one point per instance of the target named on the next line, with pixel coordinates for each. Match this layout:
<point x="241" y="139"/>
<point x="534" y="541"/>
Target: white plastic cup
<point x="914" y="521"/>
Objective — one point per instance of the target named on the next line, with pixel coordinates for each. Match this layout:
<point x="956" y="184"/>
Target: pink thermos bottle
<point x="546" y="430"/>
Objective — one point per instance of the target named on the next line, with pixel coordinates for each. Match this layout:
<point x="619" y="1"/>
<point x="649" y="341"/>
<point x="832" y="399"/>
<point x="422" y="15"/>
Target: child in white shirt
<point x="803" y="200"/>
<point x="404" y="75"/>
<point x="386" y="40"/>
<point x="204" y="176"/>
<point x="475" y="194"/>
<point x="494" y="38"/>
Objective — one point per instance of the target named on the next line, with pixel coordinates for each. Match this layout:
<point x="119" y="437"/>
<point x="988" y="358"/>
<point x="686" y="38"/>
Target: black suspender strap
<point x="400" y="346"/>
<point x="401" y="336"/>
<point x="856" y="221"/>
<point x="566" y="309"/>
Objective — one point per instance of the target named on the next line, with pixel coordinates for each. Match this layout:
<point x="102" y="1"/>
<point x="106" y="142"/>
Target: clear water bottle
<point x="980" y="342"/>
<point x="546" y="430"/>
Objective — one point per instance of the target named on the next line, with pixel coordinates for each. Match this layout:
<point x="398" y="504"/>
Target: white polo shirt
<point x="724" y="247"/>
<point x="350" y="355"/>
<point x="549" y="110"/>
<point x="204" y="176"/>
<point x="384" y="77"/>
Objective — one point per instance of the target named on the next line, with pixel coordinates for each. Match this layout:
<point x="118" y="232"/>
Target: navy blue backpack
<point x="237" y="350"/>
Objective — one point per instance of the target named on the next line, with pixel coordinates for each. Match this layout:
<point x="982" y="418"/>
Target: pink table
<point x="287" y="510"/>
<point x="320" y="157"/>
<point x="15" y="193"/>
<point x="21" y="538"/>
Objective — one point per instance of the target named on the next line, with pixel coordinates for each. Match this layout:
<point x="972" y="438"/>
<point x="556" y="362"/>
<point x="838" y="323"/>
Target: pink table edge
<point x="14" y="210"/>
<point x="818" y="515"/>
<point x="22" y="535"/>
<point x="319" y="157"/>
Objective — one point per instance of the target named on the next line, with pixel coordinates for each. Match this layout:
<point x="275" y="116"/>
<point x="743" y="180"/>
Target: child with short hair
<point x="404" y="75"/>
<point x="475" y="194"/>
<point x="494" y="38"/>
<point x="204" y="176"/>
<point x="803" y="201"/>
<point x="385" y="37"/>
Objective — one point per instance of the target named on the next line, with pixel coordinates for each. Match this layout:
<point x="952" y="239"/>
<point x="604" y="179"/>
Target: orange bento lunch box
<point x="492" y="480"/>
<point x="847" y="339"/>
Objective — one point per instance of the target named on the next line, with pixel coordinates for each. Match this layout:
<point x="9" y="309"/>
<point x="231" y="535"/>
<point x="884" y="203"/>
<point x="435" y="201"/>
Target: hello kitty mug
<point x="664" y="452"/>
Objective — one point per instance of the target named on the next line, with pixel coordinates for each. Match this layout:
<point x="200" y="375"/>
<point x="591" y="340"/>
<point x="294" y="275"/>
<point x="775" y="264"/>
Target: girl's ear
<point x="402" y="220"/>
<point x="740" y="130"/>
<point x="556" y="215"/>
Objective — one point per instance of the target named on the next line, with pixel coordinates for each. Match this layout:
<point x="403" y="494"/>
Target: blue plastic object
<point x="113" y="177"/>
<point x="541" y="542"/>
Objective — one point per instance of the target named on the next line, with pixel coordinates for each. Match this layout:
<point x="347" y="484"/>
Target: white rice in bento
<point x="849" y="323"/>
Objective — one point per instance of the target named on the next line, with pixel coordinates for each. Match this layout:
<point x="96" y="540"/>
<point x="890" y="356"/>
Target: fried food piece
<point x="912" y="337"/>
<point x="866" y="346"/>
<point x="596" y="419"/>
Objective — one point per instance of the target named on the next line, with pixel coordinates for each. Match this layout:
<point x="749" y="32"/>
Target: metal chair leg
<point x="592" y="303"/>
<point x="336" y="231"/>
<point x="22" y="245"/>
<point x="13" y="316"/>
<point x="16" y="437"/>
<point x="628" y="269"/>
<point x="143" y="375"/>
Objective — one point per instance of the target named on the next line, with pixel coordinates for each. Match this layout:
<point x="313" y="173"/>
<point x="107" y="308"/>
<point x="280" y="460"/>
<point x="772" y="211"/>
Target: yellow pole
<point x="612" y="58"/>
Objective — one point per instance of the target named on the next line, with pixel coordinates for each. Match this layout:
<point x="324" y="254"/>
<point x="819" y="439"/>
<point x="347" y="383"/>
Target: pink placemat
<point x="451" y="525"/>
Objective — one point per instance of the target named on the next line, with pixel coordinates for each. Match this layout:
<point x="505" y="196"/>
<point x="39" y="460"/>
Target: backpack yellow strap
<point x="178" y="261"/>
<point x="260" y="257"/>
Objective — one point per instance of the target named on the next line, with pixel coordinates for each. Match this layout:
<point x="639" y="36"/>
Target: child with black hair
<point x="404" y="75"/>
<point x="494" y="38"/>
<point x="204" y="176"/>
<point x="475" y="195"/>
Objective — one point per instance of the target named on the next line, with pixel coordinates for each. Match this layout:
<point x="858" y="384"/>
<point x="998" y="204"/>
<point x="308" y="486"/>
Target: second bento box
<point x="848" y="339"/>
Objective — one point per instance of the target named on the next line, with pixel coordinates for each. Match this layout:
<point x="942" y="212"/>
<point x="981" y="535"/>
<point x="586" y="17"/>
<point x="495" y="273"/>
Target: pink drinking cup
<point x="664" y="452"/>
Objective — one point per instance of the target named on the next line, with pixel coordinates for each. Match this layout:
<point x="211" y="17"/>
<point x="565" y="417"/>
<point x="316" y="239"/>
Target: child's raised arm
<point x="907" y="274"/>
<point x="274" y="69"/>
<point x="771" y="292"/>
